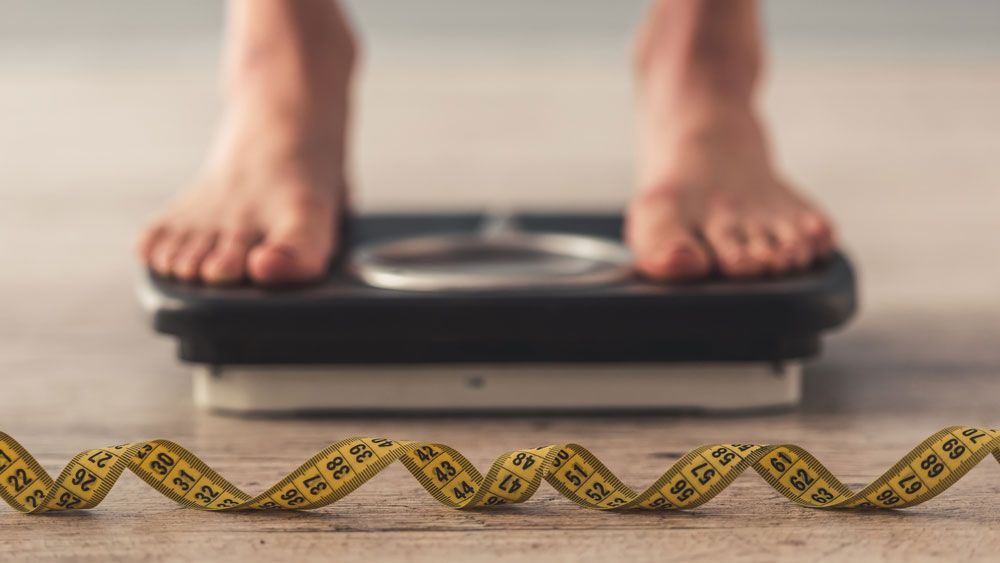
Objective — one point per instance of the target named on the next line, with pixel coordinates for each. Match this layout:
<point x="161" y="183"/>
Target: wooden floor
<point x="903" y="152"/>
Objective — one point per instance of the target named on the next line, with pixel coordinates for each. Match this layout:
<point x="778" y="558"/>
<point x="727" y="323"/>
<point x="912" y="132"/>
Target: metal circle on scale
<point x="510" y="260"/>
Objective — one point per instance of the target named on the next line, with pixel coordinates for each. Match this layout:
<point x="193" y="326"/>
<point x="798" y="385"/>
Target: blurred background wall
<point x="886" y="111"/>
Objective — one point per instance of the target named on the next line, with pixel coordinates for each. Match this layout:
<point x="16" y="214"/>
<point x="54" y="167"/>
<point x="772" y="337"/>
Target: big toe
<point x="287" y="261"/>
<point x="664" y="248"/>
<point x="679" y="258"/>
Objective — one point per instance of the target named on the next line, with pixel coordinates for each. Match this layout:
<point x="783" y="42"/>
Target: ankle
<point x="269" y="36"/>
<point x="292" y="96"/>
<point x="704" y="87"/>
<point x="296" y="56"/>
<point x="695" y="49"/>
<point x="320" y="70"/>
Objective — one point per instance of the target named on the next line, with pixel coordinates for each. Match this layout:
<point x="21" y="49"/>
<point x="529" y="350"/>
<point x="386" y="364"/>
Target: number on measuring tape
<point x="572" y="470"/>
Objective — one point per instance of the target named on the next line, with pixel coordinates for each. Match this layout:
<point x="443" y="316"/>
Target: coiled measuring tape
<point x="930" y="468"/>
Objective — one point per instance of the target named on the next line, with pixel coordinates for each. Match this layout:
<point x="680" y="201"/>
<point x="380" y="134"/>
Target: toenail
<point x="220" y="274"/>
<point x="675" y="253"/>
<point x="682" y="263"/>
<point x="813" y="221"/>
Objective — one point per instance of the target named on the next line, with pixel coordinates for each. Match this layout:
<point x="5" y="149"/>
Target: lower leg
<point x="709" y="197"/>
<point x="267" y="203"/>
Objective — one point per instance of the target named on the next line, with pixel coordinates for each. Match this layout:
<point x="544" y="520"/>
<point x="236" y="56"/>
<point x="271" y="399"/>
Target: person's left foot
<point x="712" y="203"/>
<point x="709" y="199"/>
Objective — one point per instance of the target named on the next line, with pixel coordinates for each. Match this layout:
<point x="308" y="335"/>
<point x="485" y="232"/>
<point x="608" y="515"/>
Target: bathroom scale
<point x="466" y="312"/>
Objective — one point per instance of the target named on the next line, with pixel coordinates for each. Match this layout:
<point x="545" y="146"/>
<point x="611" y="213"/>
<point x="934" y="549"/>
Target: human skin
<point x="267" y="203"/>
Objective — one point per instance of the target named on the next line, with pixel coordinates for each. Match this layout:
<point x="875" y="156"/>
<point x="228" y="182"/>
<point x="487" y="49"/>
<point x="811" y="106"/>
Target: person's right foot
<point x="268" y="204"/>
<point x="264" y="213"/>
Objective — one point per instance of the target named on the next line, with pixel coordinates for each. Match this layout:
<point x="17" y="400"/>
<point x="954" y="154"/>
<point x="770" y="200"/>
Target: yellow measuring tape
<point x="333" y="473"/>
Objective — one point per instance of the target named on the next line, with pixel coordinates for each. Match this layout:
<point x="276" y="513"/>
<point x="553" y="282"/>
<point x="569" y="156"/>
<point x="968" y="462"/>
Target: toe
<point x="818" y="231"/>
<point x="761" y="248"/>
<point x="148" y="241"/>
<point x="165" y="251"/>
<point x="678" y="257"/>
<point x="187" y="263"/>
<point x="226" y="263"/>
<point x="296" y="255"/>
<point x="732" y="254"/>
<point x="663" y="247"/>
<point x="792" y="245"/>
<point x="282" y="262"/>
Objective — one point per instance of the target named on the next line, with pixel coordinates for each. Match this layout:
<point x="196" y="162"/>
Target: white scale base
<point x="718" y="387"/>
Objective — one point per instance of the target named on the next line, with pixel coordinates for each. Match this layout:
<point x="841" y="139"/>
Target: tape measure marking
<point x="333" y="473"/>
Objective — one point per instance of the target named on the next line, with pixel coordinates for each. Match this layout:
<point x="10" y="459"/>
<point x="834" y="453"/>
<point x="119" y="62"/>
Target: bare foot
<point x="267" y="205"/>
<point x="713" y="203"/>
<point x="709" y="198"/>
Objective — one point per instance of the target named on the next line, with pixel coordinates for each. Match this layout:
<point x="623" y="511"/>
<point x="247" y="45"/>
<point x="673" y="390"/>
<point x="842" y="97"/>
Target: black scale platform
<point x="343" y="321"/>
